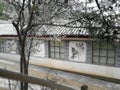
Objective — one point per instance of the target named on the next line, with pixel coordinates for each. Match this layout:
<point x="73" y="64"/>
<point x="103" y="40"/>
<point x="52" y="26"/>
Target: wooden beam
<point x="25" y="78"/>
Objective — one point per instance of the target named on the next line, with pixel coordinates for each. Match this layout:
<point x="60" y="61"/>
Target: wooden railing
<point x="25" y="78"/>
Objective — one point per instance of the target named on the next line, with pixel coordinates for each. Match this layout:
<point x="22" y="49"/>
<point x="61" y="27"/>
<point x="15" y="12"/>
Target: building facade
<point x="71" y="52"/>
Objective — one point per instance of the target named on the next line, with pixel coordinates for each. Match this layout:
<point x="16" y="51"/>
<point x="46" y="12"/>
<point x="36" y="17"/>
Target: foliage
<point x="3" y="7"/>
<point x="2" y="17"/>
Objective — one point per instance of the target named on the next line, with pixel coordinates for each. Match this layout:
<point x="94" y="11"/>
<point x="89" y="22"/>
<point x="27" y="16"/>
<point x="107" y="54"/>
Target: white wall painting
<point x="77" y="51"/>
<point x="39" y="49"/>
<point x="11" y="46"/>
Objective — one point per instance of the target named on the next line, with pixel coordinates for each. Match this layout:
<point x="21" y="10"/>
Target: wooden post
<point x="84" y="87"/>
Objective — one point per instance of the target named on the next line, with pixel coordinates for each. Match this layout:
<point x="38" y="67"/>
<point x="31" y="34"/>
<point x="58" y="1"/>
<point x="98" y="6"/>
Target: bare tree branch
<point x="101" y="12"/>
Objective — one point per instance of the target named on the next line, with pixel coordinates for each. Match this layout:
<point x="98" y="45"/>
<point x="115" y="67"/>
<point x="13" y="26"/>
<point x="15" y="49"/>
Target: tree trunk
<point x="23" y="66"/>
<point x="24" y="70"/>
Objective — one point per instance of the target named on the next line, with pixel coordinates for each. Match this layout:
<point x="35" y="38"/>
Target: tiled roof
<point x="58" y="30"/>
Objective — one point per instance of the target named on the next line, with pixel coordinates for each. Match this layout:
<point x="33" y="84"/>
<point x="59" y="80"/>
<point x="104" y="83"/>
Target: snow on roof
<point x="7" y="29"/>
<point x="4" y="22"/>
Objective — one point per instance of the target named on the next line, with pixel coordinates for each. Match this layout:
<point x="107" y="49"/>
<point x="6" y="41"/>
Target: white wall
<point x="39" y="49"/>
<point x="77" y="51"/>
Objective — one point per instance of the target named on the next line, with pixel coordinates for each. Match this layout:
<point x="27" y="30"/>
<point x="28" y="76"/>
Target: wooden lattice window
<point x="103" y="53"/>
<point x="56" y="49"/>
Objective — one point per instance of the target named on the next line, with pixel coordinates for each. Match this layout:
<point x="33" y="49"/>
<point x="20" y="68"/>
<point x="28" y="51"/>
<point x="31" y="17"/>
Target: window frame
<point x="60" y="51"/>
<point x="99" y="56"/>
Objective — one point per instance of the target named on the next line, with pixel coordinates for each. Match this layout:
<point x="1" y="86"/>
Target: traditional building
<point x="71" y="53"/>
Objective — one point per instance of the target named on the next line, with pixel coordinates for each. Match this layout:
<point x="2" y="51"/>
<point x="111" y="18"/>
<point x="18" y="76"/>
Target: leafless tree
<point x="26" y="18"/>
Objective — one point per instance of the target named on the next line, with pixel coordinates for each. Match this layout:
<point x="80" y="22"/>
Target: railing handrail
<point x="30" y="79"/>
